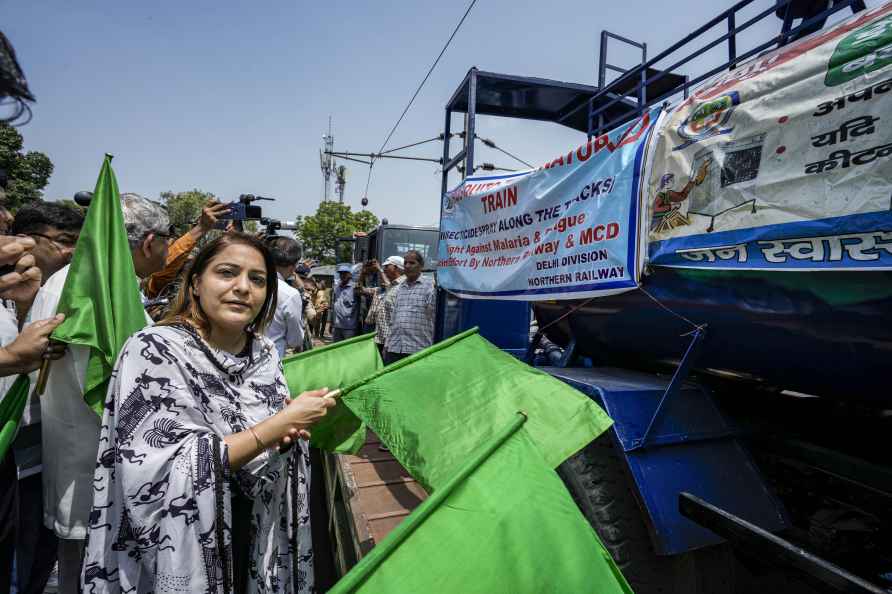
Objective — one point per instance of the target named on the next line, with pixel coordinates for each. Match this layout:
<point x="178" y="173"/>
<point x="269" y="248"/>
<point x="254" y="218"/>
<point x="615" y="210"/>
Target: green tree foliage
<point x="319" y="232"/>
<point x="184" y="208"/>
<point x="27" y="173"/>
<point x="73" y="205"/>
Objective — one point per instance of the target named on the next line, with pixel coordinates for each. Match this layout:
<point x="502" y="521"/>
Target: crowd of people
<point x="197" y="476"/>
<point x="402" y="305"/>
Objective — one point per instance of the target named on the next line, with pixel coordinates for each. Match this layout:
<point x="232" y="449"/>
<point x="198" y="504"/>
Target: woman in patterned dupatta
<point x="201" y="479"/>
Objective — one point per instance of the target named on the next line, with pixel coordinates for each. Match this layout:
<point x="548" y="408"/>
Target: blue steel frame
<point x="613" y="93"/>
<point x="678" y="378"/>
<point x="505" y="323"/>
<point x="657" y="428"/>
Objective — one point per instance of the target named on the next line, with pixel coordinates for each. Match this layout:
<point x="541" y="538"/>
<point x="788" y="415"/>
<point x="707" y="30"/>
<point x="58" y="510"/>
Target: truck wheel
<point x="598" y="482"/>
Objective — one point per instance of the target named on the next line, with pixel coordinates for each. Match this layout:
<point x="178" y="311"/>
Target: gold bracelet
<point x="257" y="438"/>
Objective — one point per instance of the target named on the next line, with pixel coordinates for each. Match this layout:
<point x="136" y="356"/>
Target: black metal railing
<point x="632" y="85"/>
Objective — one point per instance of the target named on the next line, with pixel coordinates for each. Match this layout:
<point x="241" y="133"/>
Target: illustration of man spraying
<point x="667" y="213"/>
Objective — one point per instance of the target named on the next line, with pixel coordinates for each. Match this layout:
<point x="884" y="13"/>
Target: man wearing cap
<point x="391" y="277"/>
<point x="344" y="305"/>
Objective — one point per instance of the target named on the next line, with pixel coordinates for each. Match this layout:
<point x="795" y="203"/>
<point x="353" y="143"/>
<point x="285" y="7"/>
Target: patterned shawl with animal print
<point x="161" y="515"/>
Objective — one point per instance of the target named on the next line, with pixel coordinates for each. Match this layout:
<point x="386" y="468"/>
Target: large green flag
<point x="499" y="519"/>
<point x="12" y="406"/>
<point x="435" y="408"/>
<point x="101" y="299"/>
<point x="503" y="523"/>
<point x="336" y="366"/>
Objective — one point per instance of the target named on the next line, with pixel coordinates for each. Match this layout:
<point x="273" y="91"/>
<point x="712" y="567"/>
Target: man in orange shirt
<point x="178" y="252"/>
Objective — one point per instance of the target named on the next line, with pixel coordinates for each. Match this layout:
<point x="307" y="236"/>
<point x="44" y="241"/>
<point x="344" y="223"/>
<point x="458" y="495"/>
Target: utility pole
<point x="326" y="162"/>
<point x="340" y="182"/>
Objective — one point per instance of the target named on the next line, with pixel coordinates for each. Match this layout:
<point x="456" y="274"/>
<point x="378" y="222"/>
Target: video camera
<point x="243" y="209"/>
<point x="273" y="225"/>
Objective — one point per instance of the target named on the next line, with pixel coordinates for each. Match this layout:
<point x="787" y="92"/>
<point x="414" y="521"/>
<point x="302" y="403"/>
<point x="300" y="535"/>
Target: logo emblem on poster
<point x="708" y="119"/>
<point x="865" y="50"/>
<point x="448" y="203"/>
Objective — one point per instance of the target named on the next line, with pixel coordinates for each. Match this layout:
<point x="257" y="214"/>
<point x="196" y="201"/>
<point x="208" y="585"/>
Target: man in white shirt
<point x="286" y="329"/>
<point x="55" y="228"/>
<point x="70" y="427"/>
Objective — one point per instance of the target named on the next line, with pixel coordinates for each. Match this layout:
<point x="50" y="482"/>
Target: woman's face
<point x="232" y="288"/>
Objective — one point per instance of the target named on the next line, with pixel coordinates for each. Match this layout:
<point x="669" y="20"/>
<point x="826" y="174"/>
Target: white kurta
<point x="162" y="510"/>
<point x="70" y="431"/>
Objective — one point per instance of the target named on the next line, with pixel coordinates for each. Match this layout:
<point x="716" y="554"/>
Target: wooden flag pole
<point x="43" y="376"/>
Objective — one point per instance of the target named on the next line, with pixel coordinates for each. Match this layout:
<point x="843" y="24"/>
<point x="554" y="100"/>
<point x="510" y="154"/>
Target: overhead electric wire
<point x="347" y="155"/>
<point x="426" y="76"/>
<point x="354" y="159"/>
<point x="514" y="157"/>
<point x="492" y="144"/>
<point x="399" y="148"/>
<point x="418" y="90"/>
<point x="368" y="180"/>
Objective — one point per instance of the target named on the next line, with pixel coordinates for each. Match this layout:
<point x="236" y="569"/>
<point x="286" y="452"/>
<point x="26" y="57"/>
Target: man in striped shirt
<point x="411" y="312"/>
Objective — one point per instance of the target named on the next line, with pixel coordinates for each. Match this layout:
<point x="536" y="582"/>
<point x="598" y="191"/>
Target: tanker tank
<point x="768" y="222"/>
<point x="823" y="333"/>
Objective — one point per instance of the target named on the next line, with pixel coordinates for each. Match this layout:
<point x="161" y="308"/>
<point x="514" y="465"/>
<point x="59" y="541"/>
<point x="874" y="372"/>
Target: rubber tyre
<point x="599" y="484"/>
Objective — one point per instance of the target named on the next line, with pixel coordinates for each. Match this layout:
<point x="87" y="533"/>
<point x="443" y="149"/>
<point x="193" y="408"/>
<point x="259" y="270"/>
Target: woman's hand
<point x="281" y="429"/>
<point x="293" y="434"/>
<point x="296" y="418"/>
<point x="304" y="411"/>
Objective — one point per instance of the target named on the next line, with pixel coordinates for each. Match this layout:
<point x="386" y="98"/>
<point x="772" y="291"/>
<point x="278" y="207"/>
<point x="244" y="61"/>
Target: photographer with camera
<point x="179" y="250"/>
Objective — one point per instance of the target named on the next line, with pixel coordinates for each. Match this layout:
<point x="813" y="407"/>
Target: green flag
<point x="499" y="519"/>
<point x="503" y="523"/>
<point x="101" y="299"/>
<point x="336" y="365"/>
<point x="435" y="408"/>
<point x="12" y="406"/>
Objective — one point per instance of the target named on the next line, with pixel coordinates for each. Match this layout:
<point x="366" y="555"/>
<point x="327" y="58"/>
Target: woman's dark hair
<point x="186" y="309"/>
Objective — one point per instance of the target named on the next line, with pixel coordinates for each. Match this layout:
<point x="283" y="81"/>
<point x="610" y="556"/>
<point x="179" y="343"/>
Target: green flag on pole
<point x="435" y="408"/>
<point x="499" y="518"/>
<point x="504" y="523"/>
<point x="101" y="299"/>
<point x="335" y="366"/>
<point x="12" y="406"/>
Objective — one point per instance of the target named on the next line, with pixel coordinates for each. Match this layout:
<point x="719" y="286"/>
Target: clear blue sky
<point x="233" y="97"/>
